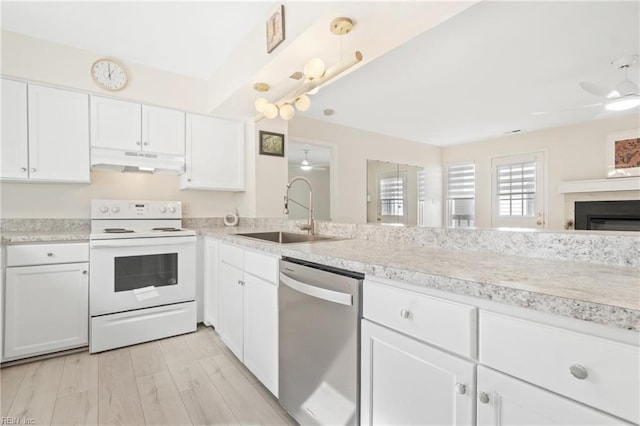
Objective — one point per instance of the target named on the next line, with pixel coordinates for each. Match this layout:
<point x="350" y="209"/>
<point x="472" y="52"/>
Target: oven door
<point x="134" y="273"/>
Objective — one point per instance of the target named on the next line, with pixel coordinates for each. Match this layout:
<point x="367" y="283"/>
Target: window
<point x="518" y="191"/>
<point x="392" y="195"/>
<point x="461" y="191"/>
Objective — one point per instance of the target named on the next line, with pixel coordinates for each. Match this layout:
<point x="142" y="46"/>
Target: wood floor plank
<point x="36" y="396"/>
<point x="161" y="401"/>
<point x="10" y="381"/>
<point x="225" y="350"/>
<point x="147" y="359"/>
<point x="247" y="404"/>
<point x="80" y="373"/>
<point x="118" y="397"/>
<point x="273" y="401"/>
<point x="188" y="375"/>
<point x="175" y="350"/>
<point x="206" y="406"/>
<point x="80" y="408"/>
<point x="202" y="343"/>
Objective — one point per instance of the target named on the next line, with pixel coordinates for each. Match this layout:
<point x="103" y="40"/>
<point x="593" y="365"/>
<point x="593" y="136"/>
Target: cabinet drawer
<point x="439" y="322"/>
<point x="44" y="254"/>
<point x="261" y="265"/>
<point x="606" y="372"/>
<point x="232" y="255"/>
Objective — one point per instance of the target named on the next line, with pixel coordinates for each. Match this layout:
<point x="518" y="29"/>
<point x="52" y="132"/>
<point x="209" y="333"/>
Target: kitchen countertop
<point x="602" y="294"/>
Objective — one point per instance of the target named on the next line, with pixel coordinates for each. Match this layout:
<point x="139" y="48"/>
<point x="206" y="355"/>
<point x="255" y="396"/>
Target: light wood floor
<point x="182" y="380"/>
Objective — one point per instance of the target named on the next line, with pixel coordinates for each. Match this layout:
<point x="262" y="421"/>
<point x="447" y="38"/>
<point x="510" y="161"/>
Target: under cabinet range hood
<point x="136" y="161"/>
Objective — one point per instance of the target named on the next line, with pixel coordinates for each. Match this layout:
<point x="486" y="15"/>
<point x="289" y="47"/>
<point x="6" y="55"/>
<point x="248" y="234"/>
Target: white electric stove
<point x="142" y="273"/>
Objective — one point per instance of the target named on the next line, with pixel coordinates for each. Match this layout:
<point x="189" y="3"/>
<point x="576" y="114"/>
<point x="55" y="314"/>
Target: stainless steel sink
<point x="285" y="237"/>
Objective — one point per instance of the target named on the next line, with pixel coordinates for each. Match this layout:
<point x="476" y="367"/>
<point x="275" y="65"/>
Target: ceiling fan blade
<point x="598" y="89"/>
<point x="568" y="109"/>
<point x="626" y="87"/>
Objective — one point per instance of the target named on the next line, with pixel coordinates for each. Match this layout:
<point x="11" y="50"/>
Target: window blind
<point x="461" y="192"/>
<point x="516" y="189"/>
<point x="392" y="195"/>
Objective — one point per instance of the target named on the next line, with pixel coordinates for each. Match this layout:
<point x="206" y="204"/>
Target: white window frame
<point x="448" y="197"/>
<point x="401" y="174"/>
<point x="540" y="204"/>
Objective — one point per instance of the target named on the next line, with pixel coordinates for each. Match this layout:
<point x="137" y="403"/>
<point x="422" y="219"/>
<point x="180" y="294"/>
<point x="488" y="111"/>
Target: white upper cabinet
<point x="15" y="151"/>
<point x="214" y="154"/>
<point x="57" y="146"/>
<point x="115" y="124"/>
<point x="162" y="130"/>
<point x="130" y="126"/>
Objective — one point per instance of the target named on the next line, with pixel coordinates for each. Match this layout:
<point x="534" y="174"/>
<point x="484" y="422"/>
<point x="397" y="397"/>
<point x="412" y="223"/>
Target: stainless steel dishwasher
<point x="319" y="324"/>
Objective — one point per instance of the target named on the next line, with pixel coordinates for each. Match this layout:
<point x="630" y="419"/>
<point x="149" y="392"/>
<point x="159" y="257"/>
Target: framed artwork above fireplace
<point x="623" y="153"/>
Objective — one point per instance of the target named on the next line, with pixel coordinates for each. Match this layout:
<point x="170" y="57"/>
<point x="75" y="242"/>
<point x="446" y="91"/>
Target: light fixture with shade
<point x="317" y="75"/>
<point x="305" y="165"/>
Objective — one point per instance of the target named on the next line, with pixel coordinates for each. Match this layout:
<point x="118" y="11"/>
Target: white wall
<point x="321" y="193"/>
<point x="573" y="153"/>
<point x="41" y="61"/>
<point x="353" y="147"/>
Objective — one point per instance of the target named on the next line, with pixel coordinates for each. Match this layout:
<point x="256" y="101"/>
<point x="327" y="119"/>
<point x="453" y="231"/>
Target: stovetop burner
<point x="117" y="230"/>
<point x="166" y="229"/>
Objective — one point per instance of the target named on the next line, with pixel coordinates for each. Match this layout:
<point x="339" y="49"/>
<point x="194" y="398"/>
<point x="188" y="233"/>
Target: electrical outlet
<point x="185" y="208"/>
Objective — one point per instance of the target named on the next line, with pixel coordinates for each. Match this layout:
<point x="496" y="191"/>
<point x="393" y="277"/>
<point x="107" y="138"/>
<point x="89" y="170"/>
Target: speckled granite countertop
<point x="22" y="237"/>
<point x="603" y="294"/>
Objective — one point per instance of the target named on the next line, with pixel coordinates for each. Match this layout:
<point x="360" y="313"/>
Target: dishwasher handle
<point x="317" y="292"/>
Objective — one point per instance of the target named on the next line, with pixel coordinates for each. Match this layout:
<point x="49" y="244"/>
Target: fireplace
<point x="608" y="215"/>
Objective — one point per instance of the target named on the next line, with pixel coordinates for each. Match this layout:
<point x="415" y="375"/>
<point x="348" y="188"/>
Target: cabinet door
<point x="162" y="130"/>
<point x="58" y="135"/>
<point x="408" y="382"/>
<point x="115" y="124"/>
<point x="504" y="400"/>
<point x="261" y="330"/>
<point x="214" y="155"/>
<point x="211" y="288"/>
<point x="15" y="162"/>
<point x="46" y="309"/>
<point x="231" y="308"/>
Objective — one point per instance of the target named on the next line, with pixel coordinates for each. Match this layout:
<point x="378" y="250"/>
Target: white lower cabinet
<point x="504" y="400"/>
<point x="46" y="306"/>
<point x="248" y="310"/>
<point x="407" y="382"/>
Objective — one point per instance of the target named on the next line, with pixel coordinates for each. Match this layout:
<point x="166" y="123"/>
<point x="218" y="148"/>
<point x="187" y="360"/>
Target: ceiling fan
<point x="624" y="95"/>
<point x="306" y="166"/>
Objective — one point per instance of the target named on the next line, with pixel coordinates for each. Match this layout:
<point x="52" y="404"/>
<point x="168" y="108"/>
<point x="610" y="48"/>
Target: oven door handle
<point x="143" y="242"/>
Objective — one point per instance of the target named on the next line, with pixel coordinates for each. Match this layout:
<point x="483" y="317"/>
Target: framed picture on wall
<point x="271" y="144"/>
<point x="623" y="153"/>
<point x="275" y="29"/>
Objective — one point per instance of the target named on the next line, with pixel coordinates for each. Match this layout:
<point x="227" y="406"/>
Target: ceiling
<point x="477" y="75"/>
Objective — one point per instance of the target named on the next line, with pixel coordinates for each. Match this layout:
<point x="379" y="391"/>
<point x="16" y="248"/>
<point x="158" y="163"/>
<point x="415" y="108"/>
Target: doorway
<point x="314" y="163"/>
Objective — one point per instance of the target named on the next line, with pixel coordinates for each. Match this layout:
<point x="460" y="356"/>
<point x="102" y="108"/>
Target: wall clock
<point x="109" y="74"/>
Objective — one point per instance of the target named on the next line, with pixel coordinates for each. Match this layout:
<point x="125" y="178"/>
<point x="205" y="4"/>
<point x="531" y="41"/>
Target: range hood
<point x="136" y="161"/>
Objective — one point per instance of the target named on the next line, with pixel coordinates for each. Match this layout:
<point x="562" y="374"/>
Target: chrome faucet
<point x="310" y="225"/>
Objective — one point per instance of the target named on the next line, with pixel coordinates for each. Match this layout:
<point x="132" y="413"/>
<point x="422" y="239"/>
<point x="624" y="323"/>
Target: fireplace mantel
<point x="600" y="185"/>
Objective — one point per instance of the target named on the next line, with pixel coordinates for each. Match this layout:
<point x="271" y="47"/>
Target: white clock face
<point x="108" y="74"/>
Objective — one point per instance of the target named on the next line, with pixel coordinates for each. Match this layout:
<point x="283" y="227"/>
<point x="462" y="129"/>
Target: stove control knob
<point x="172" y="209"/>
<point x="104" y="209"/>
<point x="115" y="209"/>
<point x="163" y="209"/>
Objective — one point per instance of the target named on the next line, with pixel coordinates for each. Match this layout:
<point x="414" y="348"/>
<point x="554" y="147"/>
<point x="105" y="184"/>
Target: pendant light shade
<point x="287" y="112"/>
<point x="315" y="68"/>
<point x="303" y="103"/>
<point x="260" y="104"/>
<point x="270" y="111"/>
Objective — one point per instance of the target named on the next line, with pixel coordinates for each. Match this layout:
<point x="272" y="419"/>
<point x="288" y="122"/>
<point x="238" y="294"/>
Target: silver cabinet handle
<point x="239" y="282"/>
<point x="146" y="143"/>
<point x="405" y="313"/>
<point x="50" y="254"/>
<point x="483" y="397"/>
<point x="24" y="169"/>
<point x="460" y="388"/>
<point x="578" y="371"/>
<point x="137" y="142"/>
<point x="33" y="169"/>
<point x="84" y="272"/>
